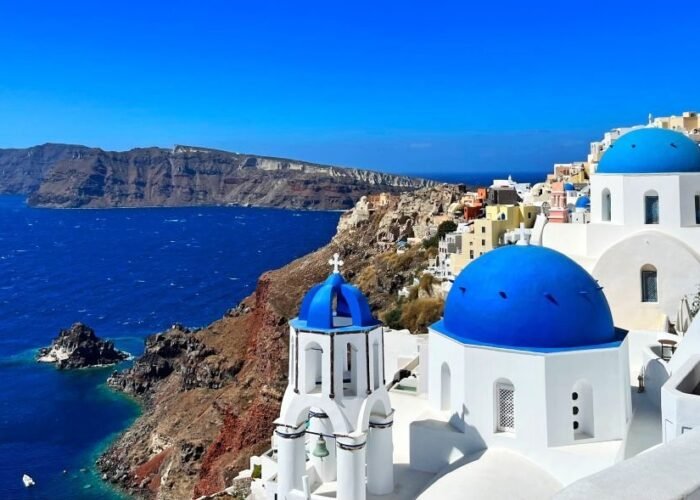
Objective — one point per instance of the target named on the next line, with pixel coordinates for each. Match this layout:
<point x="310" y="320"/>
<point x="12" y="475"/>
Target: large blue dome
<point x="651" y="151"/>
<point x="527" y="297"/>
<point x="334" y="305"/>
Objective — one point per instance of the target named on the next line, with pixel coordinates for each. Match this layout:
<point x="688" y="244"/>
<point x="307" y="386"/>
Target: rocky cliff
<point x="55" y="175"/>
<point x="211" y="395"/>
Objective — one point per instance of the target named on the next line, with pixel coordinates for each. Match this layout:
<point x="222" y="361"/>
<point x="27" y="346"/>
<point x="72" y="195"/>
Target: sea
<point x="127" y="273"/>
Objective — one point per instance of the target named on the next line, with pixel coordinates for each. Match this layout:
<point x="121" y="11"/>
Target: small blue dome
<point x="527" y="297"/>
<point x="651" y="151"/>
<point x="332" y="305"/>
<point x="583" y="202"/>
<point x="569" y="187"/>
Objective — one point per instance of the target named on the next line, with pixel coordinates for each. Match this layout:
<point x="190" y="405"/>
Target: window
<point x="582" y="410"/>
<point x="375" y="357"/>
<point x="697" y="208"/>
<point x="651" y="208"/>
<point x="313" y="363"/>
<point x="483" y="229"/>
<point x="649" y="284"/>
<point x="445" y="388"/>
<point x="350" y="375"/>
<point x="505" y="419"/>
<point x="471" y="254"/>
<point x="606" y="206"/>
<point x="483" y="243"/>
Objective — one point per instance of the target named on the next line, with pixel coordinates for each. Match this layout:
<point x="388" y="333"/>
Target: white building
<point x="526" y="358"/>
<point x="522" y="188"/>
<point x="644" y="233"/>
<point x="336" y="408"/>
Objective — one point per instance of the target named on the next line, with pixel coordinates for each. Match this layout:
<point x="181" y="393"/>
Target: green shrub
<point x="392" y="318"/>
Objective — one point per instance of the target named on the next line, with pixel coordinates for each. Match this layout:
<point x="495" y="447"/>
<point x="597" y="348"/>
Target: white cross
<point x="336" y="263"/>
<point x="522" y="238"/>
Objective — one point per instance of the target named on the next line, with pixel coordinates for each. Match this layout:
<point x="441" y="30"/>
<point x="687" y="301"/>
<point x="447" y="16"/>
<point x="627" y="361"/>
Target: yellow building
<point x="569" y="172"/>
<point x="487" y="233"/>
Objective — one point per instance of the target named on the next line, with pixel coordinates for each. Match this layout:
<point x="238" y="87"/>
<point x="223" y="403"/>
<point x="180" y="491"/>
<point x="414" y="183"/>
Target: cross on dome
<point x="522" y="236"/>
<point x="336" y="263"/>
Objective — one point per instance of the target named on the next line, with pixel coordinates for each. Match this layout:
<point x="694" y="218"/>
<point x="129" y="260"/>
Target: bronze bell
<point x="321" y="450"/>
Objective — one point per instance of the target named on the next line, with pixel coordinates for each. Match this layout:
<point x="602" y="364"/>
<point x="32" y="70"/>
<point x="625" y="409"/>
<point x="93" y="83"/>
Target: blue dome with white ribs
<point x="651" y="151"/>
<point x="528" y="298"/>
<point x="334" y="305"/>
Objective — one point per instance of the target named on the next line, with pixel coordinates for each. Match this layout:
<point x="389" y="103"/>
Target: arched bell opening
<point x="313" y="368"/>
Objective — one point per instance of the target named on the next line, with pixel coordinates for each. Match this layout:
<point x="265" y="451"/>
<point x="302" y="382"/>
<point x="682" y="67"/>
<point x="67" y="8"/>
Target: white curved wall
<point x="618" y="270"/>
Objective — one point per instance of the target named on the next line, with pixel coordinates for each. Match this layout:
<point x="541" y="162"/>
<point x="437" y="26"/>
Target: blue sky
<point x="393" y="85"/>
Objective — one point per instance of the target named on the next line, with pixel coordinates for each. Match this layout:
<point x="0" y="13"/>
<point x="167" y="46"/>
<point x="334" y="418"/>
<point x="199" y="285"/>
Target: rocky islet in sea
<point x="79" y="347"/>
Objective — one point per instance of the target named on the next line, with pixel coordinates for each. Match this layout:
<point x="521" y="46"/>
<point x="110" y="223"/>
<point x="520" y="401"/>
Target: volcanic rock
<point x="79" y="347"/>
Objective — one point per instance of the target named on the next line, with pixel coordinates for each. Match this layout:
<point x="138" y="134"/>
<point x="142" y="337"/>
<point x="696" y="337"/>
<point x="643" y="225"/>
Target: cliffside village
<point x="566" y="364"/>
<point x="508" y="211"/>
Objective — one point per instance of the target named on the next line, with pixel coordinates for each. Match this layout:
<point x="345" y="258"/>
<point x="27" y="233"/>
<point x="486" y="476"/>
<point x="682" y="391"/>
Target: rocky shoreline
<point x="79" y="347"/>
<point x="210" y="396"/>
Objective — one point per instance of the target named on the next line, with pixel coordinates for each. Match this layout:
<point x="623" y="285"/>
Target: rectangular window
<point x="471" y="254"/>
<point x="651" y="209"/>
<point x="483" y="229"/>
<point x="697" y="208"/>
<point x="506" y="408"/>
<point x="649" y="288"/>
<point x="483" y="243"/>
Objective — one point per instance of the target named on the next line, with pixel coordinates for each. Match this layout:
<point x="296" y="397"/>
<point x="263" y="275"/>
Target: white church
<point x="552" y="373"/>
<point x="643" y="241"/>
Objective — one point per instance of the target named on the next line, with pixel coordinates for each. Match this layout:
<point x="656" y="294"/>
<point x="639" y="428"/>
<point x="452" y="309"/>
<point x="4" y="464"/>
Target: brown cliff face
<point x="211" y="395"/>
<point x="61" y="176"/>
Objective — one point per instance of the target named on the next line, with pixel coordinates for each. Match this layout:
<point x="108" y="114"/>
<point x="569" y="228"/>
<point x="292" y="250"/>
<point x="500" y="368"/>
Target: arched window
<point x="650" y="292"/>
<point x="505" y="406"/>
<point x="651" y="207"/>
<point x="313" y="368"/>
<point x="582" y="410"/>
<point x="445" y="388"/>
<point x="606" y="205"/>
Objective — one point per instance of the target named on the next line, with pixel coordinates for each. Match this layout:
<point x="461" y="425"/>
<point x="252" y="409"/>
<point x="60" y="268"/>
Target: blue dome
<point x="651" y="151"/>
<point x="334" y="305"/>
<point x="583" y="202"/>
<point x="527" y="297"/>
<point x="569" y="187"/>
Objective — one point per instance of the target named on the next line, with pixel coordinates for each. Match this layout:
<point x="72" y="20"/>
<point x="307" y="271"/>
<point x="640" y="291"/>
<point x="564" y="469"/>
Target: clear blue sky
<point x="391" y="85"/>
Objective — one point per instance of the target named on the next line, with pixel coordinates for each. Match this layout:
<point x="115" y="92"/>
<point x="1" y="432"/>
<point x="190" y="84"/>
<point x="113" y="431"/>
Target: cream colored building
<point x="688" y="122"/>
<point x="487" y="233"/>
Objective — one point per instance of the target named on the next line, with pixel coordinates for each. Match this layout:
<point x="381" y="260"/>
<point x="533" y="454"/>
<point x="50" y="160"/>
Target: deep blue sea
<point x="126" y="273"/>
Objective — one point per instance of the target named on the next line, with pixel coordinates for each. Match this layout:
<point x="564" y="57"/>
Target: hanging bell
<point x="321" y="450"/>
